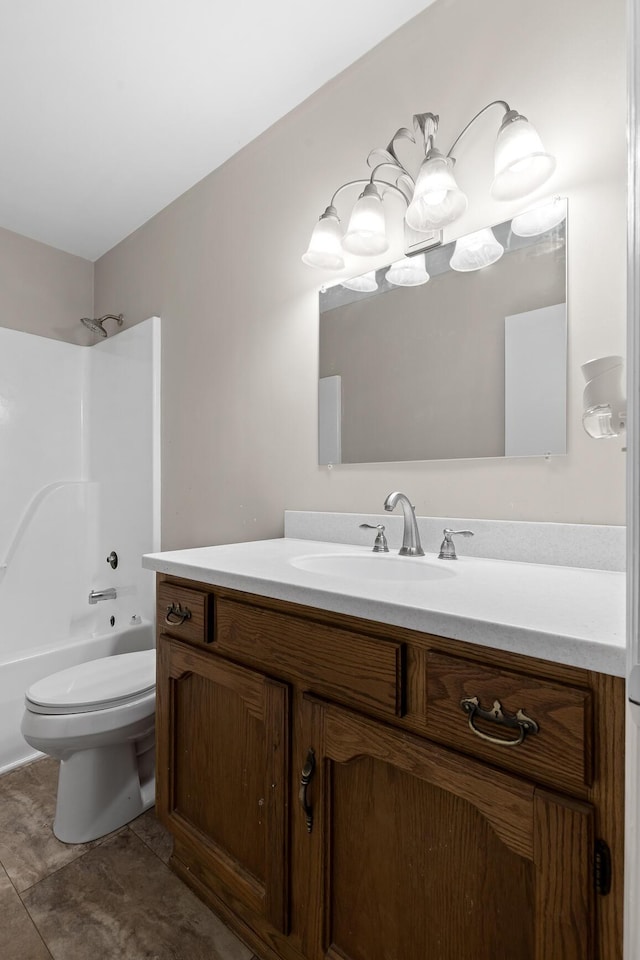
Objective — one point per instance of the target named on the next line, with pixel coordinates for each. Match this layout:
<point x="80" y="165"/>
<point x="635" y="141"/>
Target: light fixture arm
<point x="427" y="124"/>
<point x="349" y="183"/>
<point x="404" y="178"/>
<point x="494" y="103"/>
<point x="369" y="180"/>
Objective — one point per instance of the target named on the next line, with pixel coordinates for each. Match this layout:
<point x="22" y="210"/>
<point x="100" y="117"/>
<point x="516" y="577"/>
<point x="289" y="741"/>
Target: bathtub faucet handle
<point x="112" y="560"/>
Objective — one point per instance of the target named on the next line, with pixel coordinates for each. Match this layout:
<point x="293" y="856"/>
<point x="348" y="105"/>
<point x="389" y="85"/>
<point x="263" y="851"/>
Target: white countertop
<point x="568" y="615"/>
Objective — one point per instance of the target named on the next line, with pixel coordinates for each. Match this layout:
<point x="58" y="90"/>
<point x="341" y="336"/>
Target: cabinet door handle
<point x="520" y="722"/>
<point x="177" y="614"/>
<point x="306" y="776"/>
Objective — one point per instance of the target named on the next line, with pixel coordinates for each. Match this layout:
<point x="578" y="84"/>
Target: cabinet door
<point x="420" y="852"/>
<point x="222" y="761"/>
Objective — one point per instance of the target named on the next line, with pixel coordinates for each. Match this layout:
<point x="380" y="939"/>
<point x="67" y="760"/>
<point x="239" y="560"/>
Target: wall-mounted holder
<point x="604" y="402"/>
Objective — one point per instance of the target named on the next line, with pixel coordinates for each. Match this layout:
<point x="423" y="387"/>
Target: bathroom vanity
<point x="342" y="787"/>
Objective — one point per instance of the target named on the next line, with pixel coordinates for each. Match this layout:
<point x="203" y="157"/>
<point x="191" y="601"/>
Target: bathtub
<point x="19" y="673"/>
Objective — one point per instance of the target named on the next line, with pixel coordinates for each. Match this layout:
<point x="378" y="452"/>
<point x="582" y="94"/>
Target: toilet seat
<point x="95" y="685"/>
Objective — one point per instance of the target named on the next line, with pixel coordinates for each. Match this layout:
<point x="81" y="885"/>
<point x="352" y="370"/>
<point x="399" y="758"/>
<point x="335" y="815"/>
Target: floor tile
<point x="119" y="901"/>
<point x="28" y="849"/>
<point x="19" y="939"/>
<point x="149" y="829"/>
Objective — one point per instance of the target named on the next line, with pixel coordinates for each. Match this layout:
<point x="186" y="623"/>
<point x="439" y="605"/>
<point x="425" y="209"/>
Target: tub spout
<point x="108" y="594"/>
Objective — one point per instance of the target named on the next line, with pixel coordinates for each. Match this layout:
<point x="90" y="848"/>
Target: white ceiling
<point x="110" y="109"/>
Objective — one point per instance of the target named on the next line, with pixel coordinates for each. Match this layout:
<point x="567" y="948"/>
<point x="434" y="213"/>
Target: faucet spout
<point x="411" y="546"/>
<point x="108" y="594"/>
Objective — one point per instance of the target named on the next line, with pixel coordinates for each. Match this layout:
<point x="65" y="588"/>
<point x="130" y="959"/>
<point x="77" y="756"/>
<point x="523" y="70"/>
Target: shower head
<point x="96" y="326"/>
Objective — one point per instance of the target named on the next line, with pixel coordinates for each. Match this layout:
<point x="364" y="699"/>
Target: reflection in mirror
<point x="470" y="362"/>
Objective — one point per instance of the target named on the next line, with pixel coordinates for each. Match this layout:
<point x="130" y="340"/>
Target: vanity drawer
<point x="338" y="664"/>
<point x="560" y="753"/>
<point x="184" y="613"/>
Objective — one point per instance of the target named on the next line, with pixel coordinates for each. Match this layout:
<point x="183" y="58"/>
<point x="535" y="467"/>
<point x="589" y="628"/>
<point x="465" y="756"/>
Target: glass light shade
<point x="598" y="420"/>
<point x="603" y="399"/>
<point x="475" y="251"/>
<point x="544" y="217"/>
<point x="366" y="283"/>
<point x="366" y="234"/>
<point x="437" y="198"/>
<point x="325" y="247"/>
<point x="520" y="164"/>
<point x="408" y="272"/>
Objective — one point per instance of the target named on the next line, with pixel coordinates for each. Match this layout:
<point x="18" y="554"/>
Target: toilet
<point x="98" y="719"/>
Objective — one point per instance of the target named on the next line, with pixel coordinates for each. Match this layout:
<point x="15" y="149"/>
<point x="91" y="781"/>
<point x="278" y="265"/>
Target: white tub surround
<point x="79" y="429"/>
<point x="564" y="614"/>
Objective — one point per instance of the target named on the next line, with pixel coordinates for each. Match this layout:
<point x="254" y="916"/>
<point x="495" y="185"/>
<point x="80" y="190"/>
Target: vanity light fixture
<point x="540" y="219"/>
<point x="408" y="272"/>
<point x="605" y="406"/>
<point x="476" y="251"/>
<point x="325" y="247"/>
<point x="366" y="283"/>
<point x="366" y="234"/>
<point x="520" y="162"/>
<point x="437" y="199"/>
<point x="433" y="199"/>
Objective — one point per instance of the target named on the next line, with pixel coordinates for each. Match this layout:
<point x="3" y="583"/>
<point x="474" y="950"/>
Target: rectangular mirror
<point x="469" y="364"/>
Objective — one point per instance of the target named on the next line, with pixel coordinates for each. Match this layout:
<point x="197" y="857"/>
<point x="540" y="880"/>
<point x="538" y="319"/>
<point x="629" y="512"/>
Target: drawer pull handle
<point x="176" y="614"/>
<point x="521" y="722"/>
<point x="306" y="776"/>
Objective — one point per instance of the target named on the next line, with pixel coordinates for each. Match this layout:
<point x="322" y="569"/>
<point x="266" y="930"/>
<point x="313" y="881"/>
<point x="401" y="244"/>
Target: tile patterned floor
<point x="113" y="899"/>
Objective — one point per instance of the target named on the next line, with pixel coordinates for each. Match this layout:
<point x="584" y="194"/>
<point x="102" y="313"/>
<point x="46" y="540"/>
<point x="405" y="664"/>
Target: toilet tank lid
<point x="98" y="682"/>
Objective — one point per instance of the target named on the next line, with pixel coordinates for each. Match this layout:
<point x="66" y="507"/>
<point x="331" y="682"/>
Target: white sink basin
<point x="373" y="566"/>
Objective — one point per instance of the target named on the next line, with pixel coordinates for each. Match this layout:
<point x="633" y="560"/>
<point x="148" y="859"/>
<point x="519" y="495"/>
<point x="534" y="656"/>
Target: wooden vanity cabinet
<point x="442" y="856"/>
<point x="366" y="820"/>
<point x="223" y="775"/>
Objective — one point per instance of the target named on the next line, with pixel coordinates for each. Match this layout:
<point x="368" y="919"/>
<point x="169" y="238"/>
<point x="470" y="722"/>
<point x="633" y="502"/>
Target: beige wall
<point x="43" y="290"/>
<point x="221" y="266"/>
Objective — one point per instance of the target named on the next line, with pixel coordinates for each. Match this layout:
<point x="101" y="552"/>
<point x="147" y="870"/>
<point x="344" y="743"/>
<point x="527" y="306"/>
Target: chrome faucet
<point x="411" y="546"/>
<point x="108" y="594"/>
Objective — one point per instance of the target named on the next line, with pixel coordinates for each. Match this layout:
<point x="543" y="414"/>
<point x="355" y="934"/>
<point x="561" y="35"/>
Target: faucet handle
<point x="380" y="545"/>
<point x="448" y="547"/>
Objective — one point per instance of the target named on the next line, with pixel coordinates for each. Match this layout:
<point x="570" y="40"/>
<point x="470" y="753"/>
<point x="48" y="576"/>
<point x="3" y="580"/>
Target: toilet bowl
<point x="98" y="719"/>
